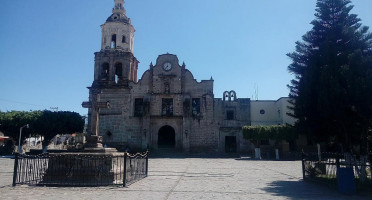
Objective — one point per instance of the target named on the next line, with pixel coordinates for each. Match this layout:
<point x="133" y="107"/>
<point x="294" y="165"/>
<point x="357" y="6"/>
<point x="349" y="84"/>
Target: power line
<point x="24" y="103"/>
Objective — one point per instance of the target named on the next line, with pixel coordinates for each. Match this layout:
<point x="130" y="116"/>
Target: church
<point x="166" y="108"/>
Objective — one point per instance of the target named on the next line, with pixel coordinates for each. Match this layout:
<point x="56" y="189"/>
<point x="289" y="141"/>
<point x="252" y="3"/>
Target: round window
<point x="262" y="111"/>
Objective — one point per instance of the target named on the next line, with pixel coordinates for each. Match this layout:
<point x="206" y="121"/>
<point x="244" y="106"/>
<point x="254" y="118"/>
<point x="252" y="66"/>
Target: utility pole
<point x="20" y="136"/>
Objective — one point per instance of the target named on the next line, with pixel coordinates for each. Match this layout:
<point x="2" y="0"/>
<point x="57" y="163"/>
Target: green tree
<point x="44" y="123"/>
<point x="11" y="122"/>
<point x="49" y="124"/>
<point x="332" y="88"/>
<point x="274" y="132"/>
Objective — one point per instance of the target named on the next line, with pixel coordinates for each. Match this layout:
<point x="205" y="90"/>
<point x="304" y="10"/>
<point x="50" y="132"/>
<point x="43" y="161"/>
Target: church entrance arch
<point x="166" y="137"/>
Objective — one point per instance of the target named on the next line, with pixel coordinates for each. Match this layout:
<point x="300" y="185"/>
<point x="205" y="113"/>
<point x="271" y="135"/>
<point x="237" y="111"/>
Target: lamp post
<point x="20" y="136"/>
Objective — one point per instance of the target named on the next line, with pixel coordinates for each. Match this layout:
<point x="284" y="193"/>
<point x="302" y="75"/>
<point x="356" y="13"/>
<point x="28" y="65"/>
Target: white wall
<point x="275" y="112"/>
<point x="284" y="110"/>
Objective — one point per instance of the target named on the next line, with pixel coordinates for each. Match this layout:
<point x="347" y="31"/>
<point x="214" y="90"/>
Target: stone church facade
<point x="165" y="109"/>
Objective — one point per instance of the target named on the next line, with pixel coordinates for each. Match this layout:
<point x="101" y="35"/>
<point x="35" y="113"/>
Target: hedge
<point x="276" y="132"/>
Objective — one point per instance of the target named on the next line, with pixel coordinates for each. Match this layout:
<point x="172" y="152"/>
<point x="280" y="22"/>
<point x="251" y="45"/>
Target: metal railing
<point x="29" y="169"/>
<point x="80" y="169"/>
<point x="324" y="167"/>
<point x="136" y="167"/>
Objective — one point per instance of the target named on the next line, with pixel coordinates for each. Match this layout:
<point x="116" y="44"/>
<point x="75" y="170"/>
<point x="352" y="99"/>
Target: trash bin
<point x="346" y="180"/>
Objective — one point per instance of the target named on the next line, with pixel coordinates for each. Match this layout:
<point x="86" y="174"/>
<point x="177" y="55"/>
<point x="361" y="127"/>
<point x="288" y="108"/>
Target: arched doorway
<point x="166" y="137"/>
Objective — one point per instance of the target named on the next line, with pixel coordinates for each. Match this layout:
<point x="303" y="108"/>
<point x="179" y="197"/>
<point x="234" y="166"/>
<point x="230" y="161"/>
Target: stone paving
<point x="190" y="178"/>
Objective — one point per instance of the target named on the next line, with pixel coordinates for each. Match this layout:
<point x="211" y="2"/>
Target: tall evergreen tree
<point x="332" y="88"/>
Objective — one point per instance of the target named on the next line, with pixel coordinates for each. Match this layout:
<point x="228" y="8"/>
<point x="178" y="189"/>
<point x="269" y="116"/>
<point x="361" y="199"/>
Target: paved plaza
<point x="190" y="178"/>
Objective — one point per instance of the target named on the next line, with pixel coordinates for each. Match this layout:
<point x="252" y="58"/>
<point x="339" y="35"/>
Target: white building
<point x="271" y="112"/>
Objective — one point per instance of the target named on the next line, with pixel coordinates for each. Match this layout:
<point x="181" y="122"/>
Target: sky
<point x="47" y="46"/>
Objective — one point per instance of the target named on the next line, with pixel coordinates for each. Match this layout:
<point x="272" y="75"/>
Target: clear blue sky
<point x="47" y="46"/>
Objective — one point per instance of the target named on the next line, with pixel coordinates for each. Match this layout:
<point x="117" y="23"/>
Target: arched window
<point x="233" y="95"/>
<point x="226" y="95"/>
<point x="124" y="40"/>
<point x="105" y="71"/>
<point x="113" y="41"/>
<point x="118" y="72"/>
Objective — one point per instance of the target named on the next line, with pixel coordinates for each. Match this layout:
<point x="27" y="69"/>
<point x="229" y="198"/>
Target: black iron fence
<point x="136" y="167"/>
<point x="80" y="169"/>
<point x="324" y="167"/>
<point x="29" y="169"/>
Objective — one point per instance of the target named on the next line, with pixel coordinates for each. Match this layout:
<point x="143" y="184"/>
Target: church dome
<point x="116" y="17"/>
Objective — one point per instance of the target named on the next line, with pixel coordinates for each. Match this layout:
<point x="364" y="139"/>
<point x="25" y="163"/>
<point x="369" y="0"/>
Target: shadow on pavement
<point x="306" y="190"/>
<point x="185" y="156"/>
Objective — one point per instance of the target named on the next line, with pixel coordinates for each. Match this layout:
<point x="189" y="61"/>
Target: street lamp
<point x="20" y="136"/>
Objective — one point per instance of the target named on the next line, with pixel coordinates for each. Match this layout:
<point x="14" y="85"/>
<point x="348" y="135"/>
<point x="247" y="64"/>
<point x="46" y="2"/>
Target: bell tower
<point x="115" y="64"/>
<point x="118" y="32"/>
<point x="114" y="67"/>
